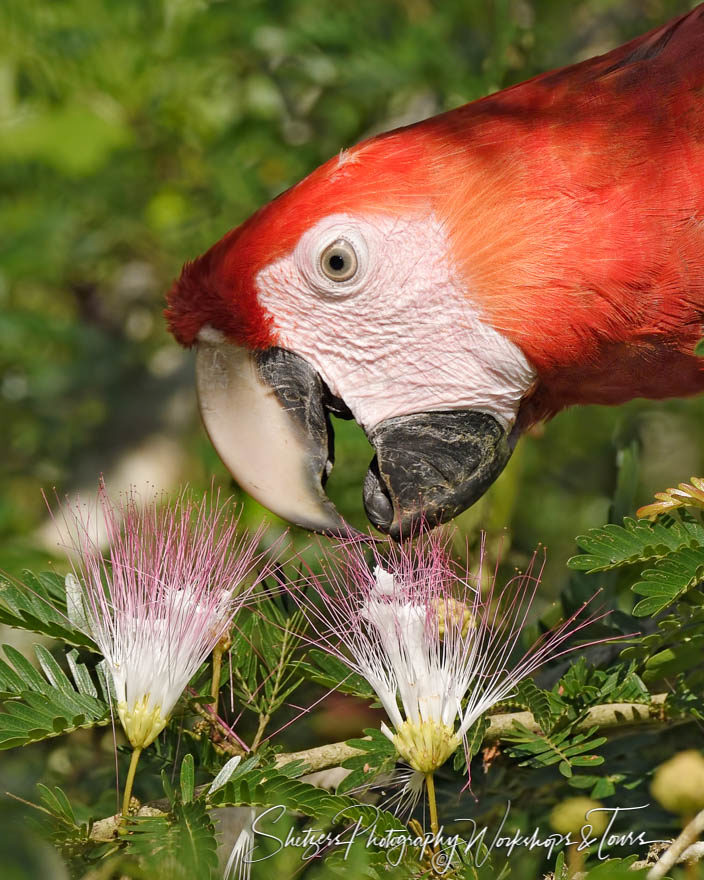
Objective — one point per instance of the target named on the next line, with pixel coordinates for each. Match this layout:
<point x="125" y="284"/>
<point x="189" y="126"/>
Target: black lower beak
<point x="431" y="466"/>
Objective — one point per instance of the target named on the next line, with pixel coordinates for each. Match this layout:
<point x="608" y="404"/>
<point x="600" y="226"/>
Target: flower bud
<point x="454" y="613"/>
<point x="678" y="784"/>
<point x="572" y="814"/>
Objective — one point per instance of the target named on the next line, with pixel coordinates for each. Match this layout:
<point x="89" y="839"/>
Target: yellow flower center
<point x="425" y="745"/>
<point x="453" y="612"/>
<point x="141" y="724"/>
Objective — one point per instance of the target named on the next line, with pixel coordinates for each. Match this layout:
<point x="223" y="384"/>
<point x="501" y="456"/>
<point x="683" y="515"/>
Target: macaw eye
<point x="339" y="261"/>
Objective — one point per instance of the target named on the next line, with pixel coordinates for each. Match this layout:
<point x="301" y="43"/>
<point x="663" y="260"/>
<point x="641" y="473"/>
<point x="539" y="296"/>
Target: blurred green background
<point x="135" y="134"/>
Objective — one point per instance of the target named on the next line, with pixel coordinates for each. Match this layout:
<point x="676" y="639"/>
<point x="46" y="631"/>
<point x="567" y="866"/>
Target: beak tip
<point x="377" y="503"/>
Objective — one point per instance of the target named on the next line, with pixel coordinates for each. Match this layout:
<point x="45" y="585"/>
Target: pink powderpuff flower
<point x="160" y="598"/>
<point x="436" y="651"/>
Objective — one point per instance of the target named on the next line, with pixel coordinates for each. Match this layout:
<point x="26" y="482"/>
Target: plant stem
<point x="689" y="835"/>
<point x="263" y="721"/>
<point x="130" y="781"/>
<point x="217" y="668"/>
<point x="575" y="861"/>
<point x="225" y="738"/>
<point x="432" y="804"/>
<point x="265" y="716"/>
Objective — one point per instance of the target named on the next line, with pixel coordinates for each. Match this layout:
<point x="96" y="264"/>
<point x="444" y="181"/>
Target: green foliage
<point x="379" y="756"/>
<point x="616" y="869"/>
<point x="266" y="786"/>
<point x="188" y="779"/>
<point x="37" y="705"/>
<point x="181" y="845"/>
<point x="559" y="712"/>
<point x="474" y="741"/>
<point x="264" y="668"/>
<point x="270" y="659"/>
<point x="55" y="804"/>
<point x="675" y="546"/>
<point x="674" y="650"/>
<point x="56" y="819"/>
<point x="671" y="579"/>
<point x="38" y="604"/>
<point x="538" y="702"/>
<point x="561" y="748"/>
<point x="584" y="685"/>
<point x="332" y="673"/>
<point x="613" y="546"/>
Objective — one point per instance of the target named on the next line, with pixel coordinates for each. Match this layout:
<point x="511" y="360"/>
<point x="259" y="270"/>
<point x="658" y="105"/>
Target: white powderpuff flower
<point x="437" y="650"/>
<point x="160" y="597"/>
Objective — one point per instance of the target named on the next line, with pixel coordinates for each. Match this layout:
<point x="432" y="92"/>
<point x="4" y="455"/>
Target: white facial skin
<point x="401" y="335"/>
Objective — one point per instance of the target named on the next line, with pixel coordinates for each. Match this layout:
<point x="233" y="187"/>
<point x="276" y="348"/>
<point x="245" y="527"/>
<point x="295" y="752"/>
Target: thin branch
<point x="691" y="833"/>
<point x="321" y="757"/>
<point x="607" y="716"/>
<point x="281" y="677"/>
<point x="604" y="716"/>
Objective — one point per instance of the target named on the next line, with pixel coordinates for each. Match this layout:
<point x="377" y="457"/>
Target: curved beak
<point x="264" y="414"/>
<point x="268" y="415"/>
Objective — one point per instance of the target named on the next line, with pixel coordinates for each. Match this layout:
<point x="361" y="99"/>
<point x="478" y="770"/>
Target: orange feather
<point x="575" y="204"/>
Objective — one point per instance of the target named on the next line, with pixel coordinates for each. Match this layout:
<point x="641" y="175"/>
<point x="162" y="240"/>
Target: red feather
<point x="575" y="203"/>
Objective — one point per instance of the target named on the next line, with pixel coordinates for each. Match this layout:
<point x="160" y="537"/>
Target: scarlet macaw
<point x="451" y="283"/>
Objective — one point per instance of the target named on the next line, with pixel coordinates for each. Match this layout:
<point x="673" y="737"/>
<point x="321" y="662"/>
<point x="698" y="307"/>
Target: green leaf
<point x="675" y="648"/>
<point x="562" y="748"/>
<point x="225" y="773"/>
<point x="36" y="706"/>
<point x="327" y="670"/>
<point x="612" y="546"/>
<point x="475" y="736"/>
<point x="616" y="869"/>
<point x="671" y="661"/>
<point x="38" y="604"/>
<point x="264" y="670"/>
<point x="670" y="579"/>
<point x="266" y="786"/>
<point x="474" y="740"/>
<point x="56" y="803"/>
<point x="537" y="701"/>
<point x="559" y="865"/>
<point x="180" y="846"/>
<point x="187" y="779"/>
<point x="605" y="786"/>
<point x="379" y="756"/>
<point x="583" y="686"/>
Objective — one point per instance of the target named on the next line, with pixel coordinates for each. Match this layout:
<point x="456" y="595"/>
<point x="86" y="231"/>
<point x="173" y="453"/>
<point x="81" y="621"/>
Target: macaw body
<point x="450" y="283"/>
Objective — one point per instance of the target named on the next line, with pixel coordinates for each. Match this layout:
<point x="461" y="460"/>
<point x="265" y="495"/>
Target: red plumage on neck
<point x="589" y="187"/>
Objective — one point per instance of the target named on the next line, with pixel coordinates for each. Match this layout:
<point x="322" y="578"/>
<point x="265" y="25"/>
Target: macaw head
<point x="348" y="295"/>
<point x="445" y="285"/>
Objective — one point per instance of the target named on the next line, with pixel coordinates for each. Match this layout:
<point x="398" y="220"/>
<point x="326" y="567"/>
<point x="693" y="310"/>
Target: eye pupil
<point x="339" y="261"/>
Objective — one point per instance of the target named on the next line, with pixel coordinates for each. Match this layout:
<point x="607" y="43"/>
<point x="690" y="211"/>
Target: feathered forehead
<point x="218" y="288"/>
